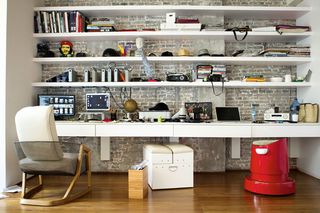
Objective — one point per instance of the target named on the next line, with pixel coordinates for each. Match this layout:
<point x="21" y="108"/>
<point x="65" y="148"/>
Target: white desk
<point x="234" y="130"/>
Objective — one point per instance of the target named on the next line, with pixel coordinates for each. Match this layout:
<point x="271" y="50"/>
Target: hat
<point x="66" y="43"/>
<point x="152" y="54"/>
<point x="160" y="107"/>
<point x="203" y="52"/>
<point x="110" y="52"/>
<point x="166" y="53"/>
<point x="184" y="52"/>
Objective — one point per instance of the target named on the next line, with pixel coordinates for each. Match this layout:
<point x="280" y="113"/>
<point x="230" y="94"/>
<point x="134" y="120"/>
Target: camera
<point x="215" y="77"/>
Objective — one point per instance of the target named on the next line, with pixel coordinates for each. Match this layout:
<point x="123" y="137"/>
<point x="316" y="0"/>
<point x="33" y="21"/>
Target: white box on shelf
<point x="182" y="27"/>
<point x="170" y="18"/>
<point x="169" y="166"/>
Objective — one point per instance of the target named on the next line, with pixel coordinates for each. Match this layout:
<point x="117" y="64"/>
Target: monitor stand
<point x="91" y="116"/>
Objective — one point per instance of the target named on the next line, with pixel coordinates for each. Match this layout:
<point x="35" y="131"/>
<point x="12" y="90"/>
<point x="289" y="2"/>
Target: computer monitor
<point x="97" y="102"/>
<point x="63" y="105"/>
<point x="228" y="113"/>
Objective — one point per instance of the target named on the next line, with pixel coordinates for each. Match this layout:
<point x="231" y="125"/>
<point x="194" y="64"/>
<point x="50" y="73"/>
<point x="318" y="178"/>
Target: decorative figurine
<point x="66" y="49"/>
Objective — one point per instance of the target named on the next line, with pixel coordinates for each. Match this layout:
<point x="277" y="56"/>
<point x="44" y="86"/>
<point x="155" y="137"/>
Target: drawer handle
<point x="261" y="151"/>
<point x="173" y="168"/>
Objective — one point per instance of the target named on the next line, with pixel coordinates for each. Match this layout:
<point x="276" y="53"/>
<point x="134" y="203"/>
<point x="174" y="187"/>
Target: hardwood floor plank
<point x="213" y="192"/>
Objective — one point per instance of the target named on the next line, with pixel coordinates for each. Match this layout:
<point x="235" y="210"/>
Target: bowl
<point x="276" y="79"/>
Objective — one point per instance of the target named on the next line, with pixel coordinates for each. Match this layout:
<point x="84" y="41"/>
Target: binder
<point x="103" y="75"/>
<point x="86" y="75"/>
<point x="115" y="75"/>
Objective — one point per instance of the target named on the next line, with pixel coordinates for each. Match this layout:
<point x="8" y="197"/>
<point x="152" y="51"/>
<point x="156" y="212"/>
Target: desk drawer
<point x="286" y="131"/>
<point x="213" y="131"/>
<point x="134" y="130"/>
<point x="85" y="130"/>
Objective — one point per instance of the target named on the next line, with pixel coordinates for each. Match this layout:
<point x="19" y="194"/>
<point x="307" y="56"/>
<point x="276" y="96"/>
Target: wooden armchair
<point x="41" y="154"/>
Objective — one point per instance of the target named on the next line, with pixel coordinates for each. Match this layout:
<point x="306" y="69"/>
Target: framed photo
<point x="205" y="109"/>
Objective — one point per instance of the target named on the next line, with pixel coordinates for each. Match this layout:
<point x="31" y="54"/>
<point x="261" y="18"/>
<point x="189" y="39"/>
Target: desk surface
<point x="172" y="129"/>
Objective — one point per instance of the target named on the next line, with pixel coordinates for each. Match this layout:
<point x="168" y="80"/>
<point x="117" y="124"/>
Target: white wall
<point x="20" y="73"/>
<point x="3" y="23"/>
<point x="309" y="159"/>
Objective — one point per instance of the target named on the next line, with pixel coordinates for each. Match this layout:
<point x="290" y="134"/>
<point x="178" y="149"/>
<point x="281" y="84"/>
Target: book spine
<point x="39" y="22"/>
<point x="51" y="23"/>
<point x="58" y="21"/>
<point x="35" y="23"/>
<point x="45" y="22"/>
<point x="54" y="22"/>
<point x="76" y="21"/>
<point x="62" y="23"/>
<point x="66" y="22"/>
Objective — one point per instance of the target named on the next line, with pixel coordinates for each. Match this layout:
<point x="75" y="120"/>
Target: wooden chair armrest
<point x="85" y="148"/>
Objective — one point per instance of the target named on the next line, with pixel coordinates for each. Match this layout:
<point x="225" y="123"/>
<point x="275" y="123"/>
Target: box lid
<point x="179" y="148"/>
<point x="157" y="149"/>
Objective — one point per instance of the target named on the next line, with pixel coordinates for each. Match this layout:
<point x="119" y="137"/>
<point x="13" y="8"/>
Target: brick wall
<point x="211" y="154"/>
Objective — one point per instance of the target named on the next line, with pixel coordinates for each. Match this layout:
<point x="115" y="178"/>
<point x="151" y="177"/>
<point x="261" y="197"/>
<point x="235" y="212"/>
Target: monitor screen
<point x="98" y="101"/>
<point x="228" y="113"/>
<point x="63" y="105"/>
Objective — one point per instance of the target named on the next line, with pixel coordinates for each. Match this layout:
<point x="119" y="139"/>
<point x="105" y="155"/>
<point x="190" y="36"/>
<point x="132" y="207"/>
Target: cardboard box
<point x="138" y="183"/>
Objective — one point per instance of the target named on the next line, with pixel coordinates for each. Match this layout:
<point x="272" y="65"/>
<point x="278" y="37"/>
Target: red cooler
<point x="269" y="169"/>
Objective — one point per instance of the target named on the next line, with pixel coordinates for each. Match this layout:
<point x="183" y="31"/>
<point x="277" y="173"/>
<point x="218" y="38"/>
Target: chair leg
<point x="67" y="196"/>
<point x="31" y="192"/>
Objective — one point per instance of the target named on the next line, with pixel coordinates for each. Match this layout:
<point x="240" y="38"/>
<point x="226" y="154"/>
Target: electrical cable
<point x="113" y="98"/>
<point x="222" y="88"/>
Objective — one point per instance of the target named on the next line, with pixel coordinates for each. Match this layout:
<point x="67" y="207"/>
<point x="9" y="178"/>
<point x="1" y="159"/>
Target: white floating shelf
<point x="173" y="35"/>
<point x="234" y="84"/>
<point x="290" y="61"/>
<point x="227" y="11"/>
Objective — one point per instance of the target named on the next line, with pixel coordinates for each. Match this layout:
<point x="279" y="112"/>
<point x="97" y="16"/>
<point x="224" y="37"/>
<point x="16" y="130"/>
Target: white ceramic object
<point x="276" y="79"/>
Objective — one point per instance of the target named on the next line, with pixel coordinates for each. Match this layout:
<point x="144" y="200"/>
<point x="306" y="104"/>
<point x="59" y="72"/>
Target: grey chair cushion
<point x="39" y="150"/>
<point x="66" y="166"/>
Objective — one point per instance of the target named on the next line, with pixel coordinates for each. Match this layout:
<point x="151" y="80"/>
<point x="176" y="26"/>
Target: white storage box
<point x="169" y="166"/>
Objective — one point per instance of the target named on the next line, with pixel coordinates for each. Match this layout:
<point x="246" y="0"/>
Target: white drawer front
<point x="134" y="130"/>
<point x="286" y="131"/>
<point x="204" y="131"/>
<point x="76" y="130"/>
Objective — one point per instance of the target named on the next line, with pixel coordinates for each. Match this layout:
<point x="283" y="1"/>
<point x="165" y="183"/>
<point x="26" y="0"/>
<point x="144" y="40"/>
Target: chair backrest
<point x="36" y="124"/>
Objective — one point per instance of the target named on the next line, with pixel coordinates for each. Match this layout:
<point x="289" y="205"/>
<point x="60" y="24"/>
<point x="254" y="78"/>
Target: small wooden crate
<point x="138" y="183"/>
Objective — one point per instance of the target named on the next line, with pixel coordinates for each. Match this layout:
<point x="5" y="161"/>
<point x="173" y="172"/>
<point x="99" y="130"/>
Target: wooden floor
<point x="213" y="192"/>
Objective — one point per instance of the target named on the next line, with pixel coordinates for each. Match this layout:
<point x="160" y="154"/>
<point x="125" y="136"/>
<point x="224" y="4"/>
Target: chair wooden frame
<point x="26" y="195"/>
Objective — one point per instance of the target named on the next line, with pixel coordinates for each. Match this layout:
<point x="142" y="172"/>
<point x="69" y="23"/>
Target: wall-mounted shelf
<point x="173" y="35"/>
<point x="289" y="61"/>
<point x="226" y="11"/>
<point x="234" y="84"/>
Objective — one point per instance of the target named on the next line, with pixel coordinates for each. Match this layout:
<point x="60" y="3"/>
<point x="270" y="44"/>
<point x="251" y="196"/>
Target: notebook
<point x="228" y="113"/>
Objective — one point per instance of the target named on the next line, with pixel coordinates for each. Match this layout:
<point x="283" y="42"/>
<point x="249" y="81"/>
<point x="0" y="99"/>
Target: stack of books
<point x="295" y="51"/>
<point x="219" y="69"/>
<point x="292" y="29"/>
<point x="254" y="78"/>
<point x="274" y="52"/>
<point x="59" y="22"/>
<point x="101" y="25"/>
<point x="299" y="51"/>
<point x="282" y="29"/>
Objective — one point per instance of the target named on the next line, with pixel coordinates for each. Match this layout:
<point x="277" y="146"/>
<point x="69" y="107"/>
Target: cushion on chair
<point x="66" y="166"/>
<point x="43" y="151"/>
<point x="37" y="124"/>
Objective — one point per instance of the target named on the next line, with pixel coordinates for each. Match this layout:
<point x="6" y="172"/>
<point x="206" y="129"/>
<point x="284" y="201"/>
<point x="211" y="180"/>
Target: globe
<point x="130" y="105"/>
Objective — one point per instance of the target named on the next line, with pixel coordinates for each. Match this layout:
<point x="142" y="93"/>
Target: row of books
<point x="59" y="22"/>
